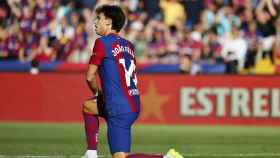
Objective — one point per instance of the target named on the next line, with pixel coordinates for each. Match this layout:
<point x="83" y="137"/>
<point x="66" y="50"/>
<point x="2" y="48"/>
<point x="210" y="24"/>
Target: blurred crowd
<point x="243" y="36"/>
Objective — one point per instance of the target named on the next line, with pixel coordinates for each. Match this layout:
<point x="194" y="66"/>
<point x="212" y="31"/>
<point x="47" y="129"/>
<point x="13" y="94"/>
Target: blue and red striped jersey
<point x="116" y="63"/>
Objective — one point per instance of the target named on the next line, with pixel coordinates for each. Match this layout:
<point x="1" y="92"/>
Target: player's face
<point x="102" y="25"/>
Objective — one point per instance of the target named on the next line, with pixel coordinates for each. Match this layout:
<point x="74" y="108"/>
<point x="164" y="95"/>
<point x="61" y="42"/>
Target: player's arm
<point x="91" y="78"/>
<point x="98" y="54"/>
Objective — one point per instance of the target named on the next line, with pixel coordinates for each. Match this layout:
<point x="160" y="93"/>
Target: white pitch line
<point x="185" y="155"/>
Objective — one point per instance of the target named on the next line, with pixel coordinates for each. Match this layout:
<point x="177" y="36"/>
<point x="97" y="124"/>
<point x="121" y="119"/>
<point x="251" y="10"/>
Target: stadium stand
<point x="196" y="37"/>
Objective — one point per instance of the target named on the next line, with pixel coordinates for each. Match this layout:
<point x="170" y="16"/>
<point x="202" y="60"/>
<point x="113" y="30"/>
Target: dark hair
<point x="115" y="13"/>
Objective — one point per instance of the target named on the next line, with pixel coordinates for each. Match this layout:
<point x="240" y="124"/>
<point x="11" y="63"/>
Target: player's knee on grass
<point x="90" y="106"/>
<point x="120" y="155"/>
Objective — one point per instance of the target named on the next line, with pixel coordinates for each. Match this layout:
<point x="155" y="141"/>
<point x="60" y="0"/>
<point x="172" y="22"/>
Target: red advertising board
<point x="166" y="98"/>
<point x="234" y="100"/>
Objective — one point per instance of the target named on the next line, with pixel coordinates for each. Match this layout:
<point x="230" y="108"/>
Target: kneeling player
<point x="114" y="59"/>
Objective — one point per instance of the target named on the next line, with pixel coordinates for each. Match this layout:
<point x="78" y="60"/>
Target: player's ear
<point x="108" y="22"/>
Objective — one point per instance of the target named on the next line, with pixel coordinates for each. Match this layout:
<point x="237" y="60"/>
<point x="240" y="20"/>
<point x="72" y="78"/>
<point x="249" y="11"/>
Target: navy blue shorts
<point x="119" y="132"/>
<point x="118" y="128"/>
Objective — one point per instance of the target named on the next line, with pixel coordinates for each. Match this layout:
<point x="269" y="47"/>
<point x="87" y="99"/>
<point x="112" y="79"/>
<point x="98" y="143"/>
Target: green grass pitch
<point x="68" y="140"/>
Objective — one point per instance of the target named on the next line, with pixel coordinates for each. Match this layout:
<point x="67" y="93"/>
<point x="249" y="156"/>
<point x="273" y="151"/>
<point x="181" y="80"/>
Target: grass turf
<point x="19" y="139"/>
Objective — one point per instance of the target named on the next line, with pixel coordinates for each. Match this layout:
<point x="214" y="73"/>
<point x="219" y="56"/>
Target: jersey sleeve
<point x="98" y="53"/>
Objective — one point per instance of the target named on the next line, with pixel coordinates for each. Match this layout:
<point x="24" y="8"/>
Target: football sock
<point x="139" y="155"/>
<point x="90" y="154"/>
<point x="91" y="130"/>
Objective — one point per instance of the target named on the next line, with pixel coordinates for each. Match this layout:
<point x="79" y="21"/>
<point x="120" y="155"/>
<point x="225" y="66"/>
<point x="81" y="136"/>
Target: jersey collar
<point x="111" y="33"/>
